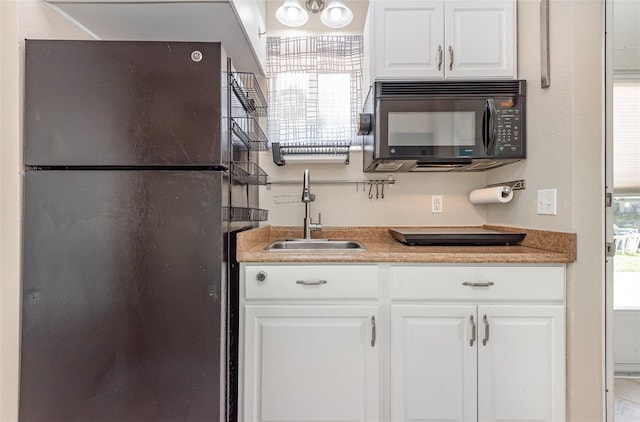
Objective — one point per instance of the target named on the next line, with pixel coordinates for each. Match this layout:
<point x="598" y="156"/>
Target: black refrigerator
<point x="139" y="171"/>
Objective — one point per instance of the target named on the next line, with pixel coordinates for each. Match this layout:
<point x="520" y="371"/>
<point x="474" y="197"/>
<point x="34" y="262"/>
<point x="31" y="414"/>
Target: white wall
<point x="566" y="144"/>
<point x="566" y="139"/>
<point x="9" y="213"/>
<point x="407" y="203"/>
<point x="19" y="19"/>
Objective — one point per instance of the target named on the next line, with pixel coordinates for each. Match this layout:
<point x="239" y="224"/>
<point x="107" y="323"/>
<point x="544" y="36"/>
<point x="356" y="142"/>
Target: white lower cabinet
<point x="521" y="366"/>
<point x="433" y="367"/>
<point x="484" y="363"/>
<point x="495" y="352"/>
<point x="311" y="362"/>
<point x="402" y="343"/>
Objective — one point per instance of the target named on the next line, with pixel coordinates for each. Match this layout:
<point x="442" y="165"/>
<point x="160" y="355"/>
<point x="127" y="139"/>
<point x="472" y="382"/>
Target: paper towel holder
<point x="514" y="185"/>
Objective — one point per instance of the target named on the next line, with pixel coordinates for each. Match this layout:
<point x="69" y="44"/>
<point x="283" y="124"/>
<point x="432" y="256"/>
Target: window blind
<point x="314" y="87"/>
<point x="626" y="134"/>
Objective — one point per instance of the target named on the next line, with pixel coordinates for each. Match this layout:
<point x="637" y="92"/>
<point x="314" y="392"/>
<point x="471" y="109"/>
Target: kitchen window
<point x="314" y="87"/>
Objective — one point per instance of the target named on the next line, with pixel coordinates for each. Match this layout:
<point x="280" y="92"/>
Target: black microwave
<point x="443" y="125"/>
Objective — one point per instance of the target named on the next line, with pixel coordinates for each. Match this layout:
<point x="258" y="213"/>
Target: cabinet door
<point x="480" y="39"/>
<point x="433" y="363"/>
<point x="408" y="39"/>
<point x="252" y="15"/>
<point x="311" y="363"/>
<point x="521" y="364"/>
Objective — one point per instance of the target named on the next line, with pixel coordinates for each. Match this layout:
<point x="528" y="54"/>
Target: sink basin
<point x="315" y="245"/>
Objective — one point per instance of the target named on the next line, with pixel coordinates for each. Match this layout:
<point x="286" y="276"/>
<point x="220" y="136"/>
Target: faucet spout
<point x="307" y="198"/>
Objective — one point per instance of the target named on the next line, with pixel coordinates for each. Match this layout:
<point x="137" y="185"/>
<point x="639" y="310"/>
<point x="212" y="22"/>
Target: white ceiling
<point x="314" y="26"/>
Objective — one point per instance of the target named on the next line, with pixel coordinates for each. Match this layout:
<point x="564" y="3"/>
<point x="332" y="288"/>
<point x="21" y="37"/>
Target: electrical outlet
<point x="436" y="204"/>
<point x="546" y="202"/>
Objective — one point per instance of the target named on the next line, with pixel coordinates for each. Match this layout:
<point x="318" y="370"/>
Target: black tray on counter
<point x="423" y="236"/>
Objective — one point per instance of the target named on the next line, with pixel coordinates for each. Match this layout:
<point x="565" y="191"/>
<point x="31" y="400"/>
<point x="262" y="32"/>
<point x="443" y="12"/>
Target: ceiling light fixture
<point x="291" y="13"/>
<point x="335" y="15"/>
<point x="314" y="6"/>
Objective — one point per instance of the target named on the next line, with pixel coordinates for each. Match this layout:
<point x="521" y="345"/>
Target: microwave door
<point x="433" y="129"/>
<point x="489" y="128"/>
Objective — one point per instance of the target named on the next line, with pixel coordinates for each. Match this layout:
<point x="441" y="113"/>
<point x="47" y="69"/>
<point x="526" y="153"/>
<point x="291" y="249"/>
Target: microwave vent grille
<point x="451" y="88"/>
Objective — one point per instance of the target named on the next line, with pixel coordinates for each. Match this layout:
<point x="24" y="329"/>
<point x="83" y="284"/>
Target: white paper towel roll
<point x="492" y="195"/>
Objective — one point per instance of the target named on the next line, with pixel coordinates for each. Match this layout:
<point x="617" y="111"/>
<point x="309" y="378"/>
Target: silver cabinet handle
<point x="470" y="284"/>
<point x="440" y="57"/>
<point x="373" y="331"/>
<point x="473" y="331"/>
<point x="486" y="330"/>
<point x="450" y="58"/>
<point x="544" y="44"/>
<point x="311" y="283"/>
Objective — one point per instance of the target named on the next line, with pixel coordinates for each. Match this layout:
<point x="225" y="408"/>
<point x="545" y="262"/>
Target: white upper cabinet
<point x="408" y="38"/>
<point x="438" y="39"/>
<point x="480" y="39"/>
<point x="253" y="17"/>
<point x="238" y="24"/>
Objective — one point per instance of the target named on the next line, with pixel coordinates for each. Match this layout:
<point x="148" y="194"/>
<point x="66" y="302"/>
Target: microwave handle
<point x="490" y="126"/>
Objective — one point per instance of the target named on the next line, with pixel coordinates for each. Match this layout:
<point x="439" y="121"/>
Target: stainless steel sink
<point x="315" y="245"/>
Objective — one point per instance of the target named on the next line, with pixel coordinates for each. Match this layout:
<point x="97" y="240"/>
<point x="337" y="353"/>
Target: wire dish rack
<point x="245" y="214"/>
<point x="337" y="152"/>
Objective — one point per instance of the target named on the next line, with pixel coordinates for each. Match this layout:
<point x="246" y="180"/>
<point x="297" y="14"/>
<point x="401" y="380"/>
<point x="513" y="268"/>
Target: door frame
<point x="608" y="165"/>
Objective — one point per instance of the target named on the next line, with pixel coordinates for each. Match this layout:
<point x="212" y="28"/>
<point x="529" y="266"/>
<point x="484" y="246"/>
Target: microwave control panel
<point x="509" y="128"/>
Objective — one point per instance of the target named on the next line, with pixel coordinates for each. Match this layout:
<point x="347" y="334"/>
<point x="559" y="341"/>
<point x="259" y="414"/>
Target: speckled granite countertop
<point x="537" y="247"/>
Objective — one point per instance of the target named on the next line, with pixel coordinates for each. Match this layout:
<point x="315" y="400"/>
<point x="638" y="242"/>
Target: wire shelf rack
<point x="248" y="172"/>
<point x="248" y="133"/>
<point x="245" y="214"/>
<point x="249" y="94"/>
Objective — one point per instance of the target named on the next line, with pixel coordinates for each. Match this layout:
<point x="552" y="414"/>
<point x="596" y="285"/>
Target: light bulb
<point x="336" y="14"/>
<point x="292" y="13"/>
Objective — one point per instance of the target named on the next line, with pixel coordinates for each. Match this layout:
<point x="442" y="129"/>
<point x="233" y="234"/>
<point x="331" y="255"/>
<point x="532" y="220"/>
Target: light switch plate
<point x="546" y="202"/>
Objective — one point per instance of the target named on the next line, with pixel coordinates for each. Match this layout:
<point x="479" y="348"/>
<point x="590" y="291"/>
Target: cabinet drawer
<point x="478" y="283"/>
<point x="311" y="281"/>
